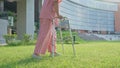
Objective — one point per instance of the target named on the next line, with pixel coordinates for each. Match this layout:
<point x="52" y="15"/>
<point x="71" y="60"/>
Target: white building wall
<point x="97" y="4"/>
<point x="111" y="0"/>
<point x="30" y="17"/>
<point x="3" y="30"/>
<point x="87" y="18"/>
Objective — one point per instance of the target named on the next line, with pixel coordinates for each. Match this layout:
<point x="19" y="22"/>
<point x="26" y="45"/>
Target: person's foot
<point x="36" y="56"/>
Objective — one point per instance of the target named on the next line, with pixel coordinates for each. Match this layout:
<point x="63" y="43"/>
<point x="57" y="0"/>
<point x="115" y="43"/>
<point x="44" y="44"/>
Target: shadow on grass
<point x="21" y="43"/>
<point x="20" y="63"/>
<point x="24" y="62"/>
<point x="18" y="45"/>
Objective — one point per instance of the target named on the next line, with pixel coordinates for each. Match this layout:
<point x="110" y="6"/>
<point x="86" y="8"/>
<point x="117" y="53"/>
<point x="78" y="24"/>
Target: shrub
<point x="67" y="38"/>
<point x="35" y="36"/>
<point x="9" y="38"/>
<point x="26" y="38"/>
<point x="15" y="43"/>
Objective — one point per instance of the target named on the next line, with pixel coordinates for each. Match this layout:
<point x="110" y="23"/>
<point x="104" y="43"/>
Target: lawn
<point x="89" y="55"/>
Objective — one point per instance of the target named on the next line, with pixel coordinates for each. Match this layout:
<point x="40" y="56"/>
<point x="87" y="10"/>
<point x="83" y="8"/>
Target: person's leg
<point x="43" y="37"/>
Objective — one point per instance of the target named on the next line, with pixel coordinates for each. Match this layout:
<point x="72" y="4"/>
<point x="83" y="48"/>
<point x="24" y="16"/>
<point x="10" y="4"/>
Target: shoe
<point x="36" y="57"/>
<point x="55" y="54"/>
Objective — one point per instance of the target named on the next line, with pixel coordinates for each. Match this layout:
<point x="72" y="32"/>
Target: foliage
<point x="15" y="43"/>
<point x="0" y="14"/>
<point x="35" y="36"/>
<point x="9" y="13"/>
<point x="26" y="38"/>
<point x="9" y="38"/>
<point x="37" y="27"/>
<point x="12" y="41"/>
<point x="67" y="38"/>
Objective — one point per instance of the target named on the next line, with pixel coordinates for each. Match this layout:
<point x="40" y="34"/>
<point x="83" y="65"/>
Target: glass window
<point x="85" y="18"/>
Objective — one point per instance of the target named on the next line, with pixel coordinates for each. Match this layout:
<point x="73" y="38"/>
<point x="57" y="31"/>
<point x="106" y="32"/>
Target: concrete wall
<point x="3" y="30"/>
<point x="25" y="18"/>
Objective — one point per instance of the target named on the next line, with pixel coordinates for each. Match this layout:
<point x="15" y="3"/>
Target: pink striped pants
<point x="44" y="40"/>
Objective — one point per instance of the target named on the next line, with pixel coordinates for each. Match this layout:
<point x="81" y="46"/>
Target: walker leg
<point x="74" y="52"/>
<point x="53" y="27"/>
<point x="61" y="39"/>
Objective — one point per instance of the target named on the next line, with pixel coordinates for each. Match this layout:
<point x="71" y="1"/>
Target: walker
<point x="63" y="22"/>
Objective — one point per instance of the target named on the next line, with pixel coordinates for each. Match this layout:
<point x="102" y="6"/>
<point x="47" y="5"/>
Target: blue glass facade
<point x="87" y="18"/>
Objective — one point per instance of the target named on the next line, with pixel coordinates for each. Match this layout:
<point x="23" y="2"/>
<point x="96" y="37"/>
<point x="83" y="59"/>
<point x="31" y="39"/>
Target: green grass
<point x="89" y="55"/>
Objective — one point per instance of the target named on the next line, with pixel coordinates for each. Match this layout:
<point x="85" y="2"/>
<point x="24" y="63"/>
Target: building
<point x="26" y="15"/>
<point x="84" y="15"/>
<point x="92" y="16"/>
